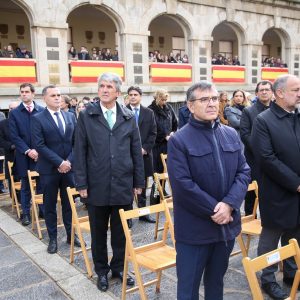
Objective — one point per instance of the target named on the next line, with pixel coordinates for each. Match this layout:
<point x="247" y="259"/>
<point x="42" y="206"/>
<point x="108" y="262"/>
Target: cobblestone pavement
<point x="27" y="271"/>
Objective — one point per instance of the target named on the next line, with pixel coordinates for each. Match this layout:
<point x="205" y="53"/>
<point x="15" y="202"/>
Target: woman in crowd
<point x="65" y="103"/>
<point x="80" y="106"/>
<point x="166" y="125"/>
<point x="72" y="54"/>
<point x="222" y="105"/>
<point x="234" y="111"/>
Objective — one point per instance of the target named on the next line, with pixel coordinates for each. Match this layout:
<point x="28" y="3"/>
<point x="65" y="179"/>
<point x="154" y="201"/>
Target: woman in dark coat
<point x="166" y="122"/>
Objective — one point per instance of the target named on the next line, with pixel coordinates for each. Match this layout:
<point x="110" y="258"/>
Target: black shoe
<point x="102" y="283"/>
<point x="274" y="290"/>
<point x="130" y="280"/>
<point x="289" y="281"/>
<point x="76" y="241"/>
<point x="129" y="222"/>
<point x="26" y="220"/>
<point x="147" y="219"/>
<point x="52" y="247"/>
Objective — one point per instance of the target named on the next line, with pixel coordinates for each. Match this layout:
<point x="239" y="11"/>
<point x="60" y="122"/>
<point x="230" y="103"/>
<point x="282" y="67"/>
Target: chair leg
<point x="59" y="212"/>
<point x="85" y="255"/>
<point x="159" y="273"/>
<point x="124" y="283"/>
<point x="242" y="245"/>
<point x="37" y="221"/>
<point x="248" y="243"/>
<point x="156" y="226"/>
<point x="72" y="243"/>
<point x="139" y="281"/>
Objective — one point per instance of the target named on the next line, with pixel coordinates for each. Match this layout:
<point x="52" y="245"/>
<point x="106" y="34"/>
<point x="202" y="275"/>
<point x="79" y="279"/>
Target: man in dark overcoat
<point x="108" y="171"/>
<point x="276" y="136"/>
<point x="146" y="122"/>
<point x="264" y="94"/>
<point x="26" y="154"/>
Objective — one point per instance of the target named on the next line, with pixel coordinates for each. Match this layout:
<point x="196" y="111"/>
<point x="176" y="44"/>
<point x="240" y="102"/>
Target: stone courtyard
<point x="27" y="271"/>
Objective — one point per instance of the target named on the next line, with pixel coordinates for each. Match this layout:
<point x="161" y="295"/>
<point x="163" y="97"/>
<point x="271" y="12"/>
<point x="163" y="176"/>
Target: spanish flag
<point x="228" y="74"/>
<point x="89" y="71"/>
<point x="170" y="72"/>
<point x="17" y="70"/>
<point x="272" y="73"/>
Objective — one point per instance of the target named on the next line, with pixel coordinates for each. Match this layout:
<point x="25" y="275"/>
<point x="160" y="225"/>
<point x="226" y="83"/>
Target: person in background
<point x="223" y="103"/>
<point x="65" y="103"/>
<point x="83" y="54"/>
<point x="234" y="111"/>
<point x="183" y="115"/>
<point x="209" y="177"/>
<point x="166" y="123"/>
<point x="80" y="107"/>
<point x="72" y="53"/>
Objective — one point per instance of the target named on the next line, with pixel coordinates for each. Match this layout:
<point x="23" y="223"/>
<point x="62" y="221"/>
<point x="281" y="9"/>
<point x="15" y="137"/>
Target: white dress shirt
<point x="55" y="118"/>
<point x="114" y="112"/>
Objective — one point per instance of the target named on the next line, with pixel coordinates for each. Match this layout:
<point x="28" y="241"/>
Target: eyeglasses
<point x="206" y="100"/>
<point x="264" y="90"/>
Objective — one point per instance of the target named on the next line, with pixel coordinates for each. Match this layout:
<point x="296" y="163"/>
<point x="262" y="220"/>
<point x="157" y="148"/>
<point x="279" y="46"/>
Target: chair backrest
<point x="164" y="161"/>
<point x="158" y="179"/>
<point x="252" y="187"/>
<point x="10" y="167"/>
<point x="252" y="266"/>
<point x="71" y="193"/>
<point x="32" y="184"/>
<point x="139" y="212"/>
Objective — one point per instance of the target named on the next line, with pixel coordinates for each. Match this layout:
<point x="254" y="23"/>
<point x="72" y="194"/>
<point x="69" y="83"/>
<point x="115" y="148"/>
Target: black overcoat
<point x="276" y="140"/>
<point x="108" y="162"/>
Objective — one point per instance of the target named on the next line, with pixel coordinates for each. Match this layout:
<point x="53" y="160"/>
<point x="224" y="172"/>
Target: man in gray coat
<point x="108" y="169"/>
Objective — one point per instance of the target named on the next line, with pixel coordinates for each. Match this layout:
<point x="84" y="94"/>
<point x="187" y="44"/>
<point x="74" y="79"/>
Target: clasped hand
<point x="222" y="213"/>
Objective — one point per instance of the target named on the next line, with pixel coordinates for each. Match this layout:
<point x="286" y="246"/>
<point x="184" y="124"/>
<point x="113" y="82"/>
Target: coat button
<point x="111" y="134"/>
<point x="112" y="157"/>
<point x="112" y="178"/>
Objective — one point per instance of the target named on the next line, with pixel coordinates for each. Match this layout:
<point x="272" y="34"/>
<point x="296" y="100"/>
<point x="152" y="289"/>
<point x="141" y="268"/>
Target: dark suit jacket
<point x="20" y="132"/>
<point x="52" y="146"/>
<point x="80" y="56"/>
<point x="148" y="131"/>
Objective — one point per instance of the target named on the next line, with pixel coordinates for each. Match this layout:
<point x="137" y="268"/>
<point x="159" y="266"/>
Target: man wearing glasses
<point x="264" y="93"/>
<point x="209" y="178"/>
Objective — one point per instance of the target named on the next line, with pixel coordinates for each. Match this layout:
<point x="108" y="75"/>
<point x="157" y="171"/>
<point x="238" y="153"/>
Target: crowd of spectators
<point x="96" y="54"/>
<point x="156" y="56"/>
<point x="219" y="59"/>
<point x="20" y="52"/>
<point x="273" y="62"/>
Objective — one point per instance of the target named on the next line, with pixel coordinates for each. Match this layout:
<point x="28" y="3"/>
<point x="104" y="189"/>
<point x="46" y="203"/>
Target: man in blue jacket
<point x="209" y="178"/>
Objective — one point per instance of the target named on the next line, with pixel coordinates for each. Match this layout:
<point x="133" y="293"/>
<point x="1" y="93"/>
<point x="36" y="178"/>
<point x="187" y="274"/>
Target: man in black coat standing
<point x="146" y="122"/>
<point x="264" y="94"/>
<point x="276" y="136"/>
<point x="108" y="171"/>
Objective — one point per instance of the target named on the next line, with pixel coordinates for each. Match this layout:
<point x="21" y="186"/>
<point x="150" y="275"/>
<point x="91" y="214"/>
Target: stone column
<point x="51" y="53"/>
<point x="293" y="61"/>
<point x="135" y="54"/>
<point x="252" y="55"/>
<point x="202" y="59"/>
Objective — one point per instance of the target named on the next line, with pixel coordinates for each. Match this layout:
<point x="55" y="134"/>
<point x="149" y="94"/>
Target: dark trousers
<point x="193" y="260"/>
<point x="249" y="202"/>
<point x="268" y="241"/>
<point x="99" y="218"/>
<point x="25" y="196"/>
<point x="51" y="184"/>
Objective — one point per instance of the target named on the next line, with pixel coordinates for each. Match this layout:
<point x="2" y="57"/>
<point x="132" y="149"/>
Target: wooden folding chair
<point x="251" y="226"/>
<point x="163" y="158"/>
<point x="159" y="180"/>
<point x="79" y="224"/>
<point x="252" y="266"/>
<point x="37" y="199"/>
<point x="155" y="257"/>
<point x="15" y="186"/>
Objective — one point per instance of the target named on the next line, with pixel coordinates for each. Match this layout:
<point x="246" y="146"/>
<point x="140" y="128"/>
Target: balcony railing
<point x="16" y="70"/>
<point x="83" y="71"/>
<point x="170" y="72"/>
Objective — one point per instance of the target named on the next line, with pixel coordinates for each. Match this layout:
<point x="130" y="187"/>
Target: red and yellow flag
<point x="228" y="74"/>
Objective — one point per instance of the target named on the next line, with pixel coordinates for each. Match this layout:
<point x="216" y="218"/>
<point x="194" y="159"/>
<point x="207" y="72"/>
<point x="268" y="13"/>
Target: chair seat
<point x="18" y="185"/>
<point x="252" y="227"/>
<point x="158" y="258"/>
<point x="85" y="226"/>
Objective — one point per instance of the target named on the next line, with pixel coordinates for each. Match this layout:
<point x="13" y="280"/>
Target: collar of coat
<point x="95" y="109"/>
<point x="280" y="112"/>
<point x="203" y="124"/>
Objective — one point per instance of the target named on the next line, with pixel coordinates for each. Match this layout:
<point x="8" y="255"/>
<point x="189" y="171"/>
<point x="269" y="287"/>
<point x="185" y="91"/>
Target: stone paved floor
<point x="236" y="286"/>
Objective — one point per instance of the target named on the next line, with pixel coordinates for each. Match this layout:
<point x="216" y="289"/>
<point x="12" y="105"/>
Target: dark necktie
<point x="29" y="108"/>
<point x="136" y="114"/>
<point x="60" y="124"/>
